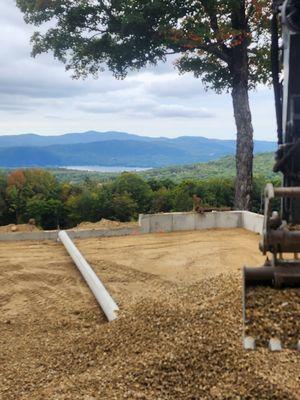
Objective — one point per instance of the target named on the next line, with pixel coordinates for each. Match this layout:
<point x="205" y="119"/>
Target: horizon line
<point x="128" y="133"/>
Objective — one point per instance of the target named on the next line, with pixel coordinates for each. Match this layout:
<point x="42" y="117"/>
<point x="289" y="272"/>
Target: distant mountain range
<point x="113" y="149"/>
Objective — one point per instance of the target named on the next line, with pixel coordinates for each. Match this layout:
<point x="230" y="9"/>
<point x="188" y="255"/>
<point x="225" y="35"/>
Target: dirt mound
<point x="18" y="228"/>
<point x="105" y="224"/>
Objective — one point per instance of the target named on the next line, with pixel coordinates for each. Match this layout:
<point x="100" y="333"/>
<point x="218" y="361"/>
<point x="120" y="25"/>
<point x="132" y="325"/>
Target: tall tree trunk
<point x="239" y="68"/>
<point x="244" y="142"/>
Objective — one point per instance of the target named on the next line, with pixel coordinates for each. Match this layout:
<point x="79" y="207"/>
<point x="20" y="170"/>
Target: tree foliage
<point x="26" y="194"/>
<point x="134" y="186"/>
<point x="127" y="35"/>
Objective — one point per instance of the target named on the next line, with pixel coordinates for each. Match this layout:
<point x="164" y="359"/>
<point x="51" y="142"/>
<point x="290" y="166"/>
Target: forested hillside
<point x="38" y="194"/>
<point x="222" y="168"/>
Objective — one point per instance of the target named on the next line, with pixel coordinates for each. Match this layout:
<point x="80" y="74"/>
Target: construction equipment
<point x="281" y="227"/>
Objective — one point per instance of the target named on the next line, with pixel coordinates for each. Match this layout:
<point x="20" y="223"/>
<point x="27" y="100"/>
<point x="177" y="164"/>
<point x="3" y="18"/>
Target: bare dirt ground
<point x="178" y="335"/>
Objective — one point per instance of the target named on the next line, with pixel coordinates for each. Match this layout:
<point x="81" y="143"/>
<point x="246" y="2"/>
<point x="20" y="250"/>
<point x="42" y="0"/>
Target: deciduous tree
<point x="133" y="185"/>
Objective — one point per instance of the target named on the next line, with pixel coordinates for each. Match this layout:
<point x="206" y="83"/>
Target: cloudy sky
<point x="37" y="95"/>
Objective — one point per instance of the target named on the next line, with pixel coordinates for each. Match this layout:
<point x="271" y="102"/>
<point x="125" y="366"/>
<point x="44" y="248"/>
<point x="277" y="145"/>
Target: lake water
<point x="99" y="168"/>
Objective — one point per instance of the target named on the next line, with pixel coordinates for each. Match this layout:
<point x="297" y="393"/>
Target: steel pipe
<point x="104" y="299"/>
<point x="287" y="191"/>
<point x="279" y="276"/>
<point x="258" y="276"/>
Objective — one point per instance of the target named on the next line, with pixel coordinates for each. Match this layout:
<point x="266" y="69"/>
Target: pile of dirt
<point x="18" y="228"/>
<point x="273" y="313"/>
<point x="105" y="224"/>
<point x="173" y="339"/>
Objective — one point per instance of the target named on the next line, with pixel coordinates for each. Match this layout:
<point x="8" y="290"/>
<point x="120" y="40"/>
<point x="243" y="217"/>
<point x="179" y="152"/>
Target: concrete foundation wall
<point x="183" y="222"/>
<point x="42" y="235"/>
<point x="53" y="235"/>
<point x="149" y="223"/>
<point x="169" y="222"/>
<point x="253" y="222"/>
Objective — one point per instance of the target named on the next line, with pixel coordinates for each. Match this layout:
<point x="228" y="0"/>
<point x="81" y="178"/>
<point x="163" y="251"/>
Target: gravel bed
<point x="273" y="313"/>
<point x="178" y="336"/>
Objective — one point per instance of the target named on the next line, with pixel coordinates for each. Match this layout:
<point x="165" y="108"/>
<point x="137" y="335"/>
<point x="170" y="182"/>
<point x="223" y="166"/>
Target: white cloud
<point x="38" y="95"/>
<point x="179" y="111"/>
<point x="179" y="87"/>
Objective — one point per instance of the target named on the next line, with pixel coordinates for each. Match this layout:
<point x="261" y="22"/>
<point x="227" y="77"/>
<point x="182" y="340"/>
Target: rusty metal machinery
<point x="281" y="227"/>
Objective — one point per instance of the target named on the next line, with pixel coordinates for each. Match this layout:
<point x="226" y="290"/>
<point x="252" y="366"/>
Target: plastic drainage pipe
<point x="104" y="299"/>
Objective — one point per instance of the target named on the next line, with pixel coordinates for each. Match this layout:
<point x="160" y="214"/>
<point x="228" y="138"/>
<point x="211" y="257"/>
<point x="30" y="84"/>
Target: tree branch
<point x="210" y="9"/>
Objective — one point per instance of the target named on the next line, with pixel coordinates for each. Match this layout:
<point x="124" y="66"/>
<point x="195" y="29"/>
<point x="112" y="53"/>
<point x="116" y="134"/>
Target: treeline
<point x="33" y="193"/>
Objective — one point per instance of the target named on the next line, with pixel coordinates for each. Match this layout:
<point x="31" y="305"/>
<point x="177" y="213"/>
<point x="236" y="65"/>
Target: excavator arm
<point x="281" y="227"/>
<point x="288" y="154"/>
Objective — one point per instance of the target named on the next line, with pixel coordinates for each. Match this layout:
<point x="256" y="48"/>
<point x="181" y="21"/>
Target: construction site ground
<point x="179" y="331"/>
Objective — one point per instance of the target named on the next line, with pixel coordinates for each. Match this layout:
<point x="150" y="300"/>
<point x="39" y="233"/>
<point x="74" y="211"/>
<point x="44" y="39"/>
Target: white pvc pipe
<point x="104" y="299"/>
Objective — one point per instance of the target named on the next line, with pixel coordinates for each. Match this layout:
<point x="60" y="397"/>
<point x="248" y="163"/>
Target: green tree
<point x="104" y="201"/>
<point x="82" y="207"/>
<point x="3" y="203"/>
<point x="39" y="181"/>
<point x="124" y="208"/>
<point x="136" y="187"/>
<point x="31" y="184"/>
<point x="216" y="192"/>
<point x="156" y="184"/>
<point x="221" y="41"/>
<point x="162" y="200"/>
<point x="15" y="194"/>
<point x="47" y="213"/>
<point x="183" y="196"/>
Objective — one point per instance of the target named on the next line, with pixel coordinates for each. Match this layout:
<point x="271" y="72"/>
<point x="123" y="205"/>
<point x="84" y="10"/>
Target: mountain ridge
<point x="114" y="149"/>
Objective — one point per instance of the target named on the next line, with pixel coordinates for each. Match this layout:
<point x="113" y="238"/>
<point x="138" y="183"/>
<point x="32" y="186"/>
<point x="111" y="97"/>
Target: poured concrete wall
<point x="42" y="235"/>
<point x="53" y="235"/>
<point x="252" y="222"/>
<point x="225" y="219"/>
<point x="169" y="222"/>
<point x="149" y="223"/>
